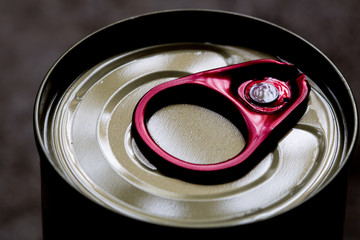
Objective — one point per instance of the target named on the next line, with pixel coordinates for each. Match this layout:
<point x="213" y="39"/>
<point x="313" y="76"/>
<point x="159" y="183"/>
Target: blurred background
<point x="34" y="34"/>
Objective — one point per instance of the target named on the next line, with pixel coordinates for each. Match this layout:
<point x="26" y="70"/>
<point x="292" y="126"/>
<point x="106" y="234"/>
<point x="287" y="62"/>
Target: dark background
<point x="33" y="34"/>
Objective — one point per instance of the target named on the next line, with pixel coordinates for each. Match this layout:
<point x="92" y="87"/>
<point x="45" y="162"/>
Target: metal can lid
<point x="85" y="133"/>
<point x="95" y="149"/>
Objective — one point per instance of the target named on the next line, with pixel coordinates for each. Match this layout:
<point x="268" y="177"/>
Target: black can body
<point x="67" y="214"/>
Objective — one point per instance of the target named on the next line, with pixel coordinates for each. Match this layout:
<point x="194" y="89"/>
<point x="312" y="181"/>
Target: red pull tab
<point x="257" y="96"/>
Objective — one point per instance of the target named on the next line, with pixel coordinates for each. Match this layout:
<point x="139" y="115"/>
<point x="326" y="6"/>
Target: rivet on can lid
<point x="264" y="93"/>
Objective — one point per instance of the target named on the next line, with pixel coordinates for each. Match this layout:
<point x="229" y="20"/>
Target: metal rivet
<point x="264" y="93"/>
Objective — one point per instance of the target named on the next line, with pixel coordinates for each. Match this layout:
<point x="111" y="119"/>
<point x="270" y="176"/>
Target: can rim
<point x="36" y="121"/>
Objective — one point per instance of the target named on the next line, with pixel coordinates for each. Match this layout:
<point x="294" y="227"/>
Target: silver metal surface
<point x="91" y="144"/>
<point x="263" y="93"/>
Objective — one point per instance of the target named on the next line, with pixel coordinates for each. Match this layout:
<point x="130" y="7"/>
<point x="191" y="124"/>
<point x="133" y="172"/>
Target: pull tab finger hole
<point x="195" y="134"/>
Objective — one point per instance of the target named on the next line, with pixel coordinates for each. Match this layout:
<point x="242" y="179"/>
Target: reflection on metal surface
<point x="263" y="93"/>
<point x="92" y="143"/>
<point x="195" y="134"/>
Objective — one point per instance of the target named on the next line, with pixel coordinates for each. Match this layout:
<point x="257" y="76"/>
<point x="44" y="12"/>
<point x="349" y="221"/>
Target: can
<point x="96" y="181"/>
